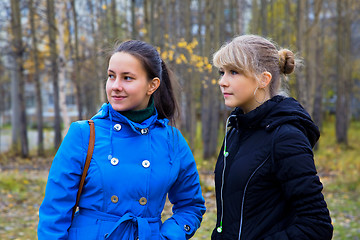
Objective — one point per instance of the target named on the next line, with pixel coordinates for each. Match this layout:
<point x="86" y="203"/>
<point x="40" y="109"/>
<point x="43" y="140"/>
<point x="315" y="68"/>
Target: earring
<point x="259" y="102"/>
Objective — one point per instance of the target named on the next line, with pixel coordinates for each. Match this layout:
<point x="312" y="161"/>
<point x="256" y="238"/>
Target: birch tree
<point x="36" y="77"/>
<point x="54" y="70"/>
<point x="76" y="69"/>
<point x="62" y="65"/>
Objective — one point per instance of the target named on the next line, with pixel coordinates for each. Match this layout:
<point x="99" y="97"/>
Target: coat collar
<point x="106" y="111"/>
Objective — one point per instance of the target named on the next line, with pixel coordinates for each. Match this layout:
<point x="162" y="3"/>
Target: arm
<point x="295" y="170"/>
<point x="186" y="196"/>
<point x="62" y="186"/>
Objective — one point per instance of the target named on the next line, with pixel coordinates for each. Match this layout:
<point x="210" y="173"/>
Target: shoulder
<point x="79" y="132"/>
<point x="288" y="140"/>
<point x="289" y="132"/>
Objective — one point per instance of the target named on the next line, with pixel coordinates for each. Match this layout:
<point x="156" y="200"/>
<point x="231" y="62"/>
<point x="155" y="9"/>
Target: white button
<point x="117" y="127"/>
<point x="144" y="131"/>
<point x="146" y="163"/>
<point x="187" y="228"/>
<point x="114" y="161"/>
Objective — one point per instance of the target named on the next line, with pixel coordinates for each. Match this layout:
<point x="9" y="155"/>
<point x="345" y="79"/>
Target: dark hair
<point x="164" y="97"/>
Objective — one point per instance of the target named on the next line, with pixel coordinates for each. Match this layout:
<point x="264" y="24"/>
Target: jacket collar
<point x="106" y="111"/>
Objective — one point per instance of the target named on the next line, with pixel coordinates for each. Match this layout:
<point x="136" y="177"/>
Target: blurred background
<point x="53" y="68"/>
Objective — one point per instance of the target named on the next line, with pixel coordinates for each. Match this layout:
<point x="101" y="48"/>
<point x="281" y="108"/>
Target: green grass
<point x="339" y="166"/>
<point x="21" y="194"/>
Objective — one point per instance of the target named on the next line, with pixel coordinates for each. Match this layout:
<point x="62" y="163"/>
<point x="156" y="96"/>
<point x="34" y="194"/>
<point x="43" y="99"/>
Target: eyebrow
<point x="123" y="73"/>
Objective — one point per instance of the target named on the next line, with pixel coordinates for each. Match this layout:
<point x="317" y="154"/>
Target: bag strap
<point x="87" y="164"/>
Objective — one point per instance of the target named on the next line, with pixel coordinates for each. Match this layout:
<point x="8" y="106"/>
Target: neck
<point x="255" y="103"/>
<point x="139" y="116"/>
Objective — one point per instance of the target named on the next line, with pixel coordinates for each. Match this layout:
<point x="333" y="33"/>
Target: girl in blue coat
<point x="265" y="177"/>
<point x="138" y="160"/>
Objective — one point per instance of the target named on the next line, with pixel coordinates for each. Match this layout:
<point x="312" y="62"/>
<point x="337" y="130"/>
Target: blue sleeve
<point x="62" y="185"/>
<point x="186" y="197"/>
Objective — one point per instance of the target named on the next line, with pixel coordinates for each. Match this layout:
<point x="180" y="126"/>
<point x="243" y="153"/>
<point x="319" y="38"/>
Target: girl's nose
<point x="117" y="85"/>
<point x="223" y="81"/>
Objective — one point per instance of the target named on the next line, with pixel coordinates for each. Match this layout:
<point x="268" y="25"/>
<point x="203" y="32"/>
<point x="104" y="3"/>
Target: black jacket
<point x="270" y="189"/>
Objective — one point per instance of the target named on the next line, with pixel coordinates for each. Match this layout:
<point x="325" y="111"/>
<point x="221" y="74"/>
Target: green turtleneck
<point x="139" y="116"/>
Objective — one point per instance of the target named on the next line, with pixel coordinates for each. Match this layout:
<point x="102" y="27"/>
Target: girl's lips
<point x="227" y="94"/>
<point x="118" y="97"/>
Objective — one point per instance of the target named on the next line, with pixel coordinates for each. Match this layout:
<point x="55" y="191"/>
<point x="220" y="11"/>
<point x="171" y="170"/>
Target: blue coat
<point x="133" y="168"/>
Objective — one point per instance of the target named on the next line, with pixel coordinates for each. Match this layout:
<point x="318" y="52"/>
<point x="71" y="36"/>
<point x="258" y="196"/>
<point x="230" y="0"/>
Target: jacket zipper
<point x="225" y="154"/>
<point x="244" y="193"/>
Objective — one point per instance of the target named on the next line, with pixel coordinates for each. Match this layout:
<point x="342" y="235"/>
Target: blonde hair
<point x="252" y="55"/>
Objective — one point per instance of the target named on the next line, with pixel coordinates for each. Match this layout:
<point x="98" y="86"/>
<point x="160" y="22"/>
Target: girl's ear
<point x="153" y="85"/>
<point x="265" y="79"/>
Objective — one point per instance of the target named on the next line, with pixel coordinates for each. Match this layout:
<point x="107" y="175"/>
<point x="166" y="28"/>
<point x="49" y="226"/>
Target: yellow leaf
<point x="171" y="55"/>
<point x="164" y="55"/>
<point x="143" y="30"/>
<point x="183" y="58"/>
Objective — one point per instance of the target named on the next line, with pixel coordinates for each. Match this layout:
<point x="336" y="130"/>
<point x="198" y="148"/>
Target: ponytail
<point x="164" y="97"/>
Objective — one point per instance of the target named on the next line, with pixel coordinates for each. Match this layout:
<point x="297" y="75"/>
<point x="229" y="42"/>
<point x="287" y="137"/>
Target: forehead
<point x="122" y="61"/>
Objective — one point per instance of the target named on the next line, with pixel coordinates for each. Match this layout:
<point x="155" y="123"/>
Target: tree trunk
<point x="146" y="21"/>
<point x="18" y="49"/>
<point x="200" y="25"/>
<point x="344" y="68"/>
<point x="15" y="116"/>
<point x="210" y="101"/>
<point x="240" y="16"/>
<point x="190" y="83"/>
<point x="133" y="19"/>
<point x="319" y="75"/>
<point x="97" y="85"/>
<point x="301" y="84"/>
<point x="62" y="67"/>
<point x="36" y="77"/>
<point x="113" y="18"/>
<point x="255" y="24"/>
<point x="263" y="10"/>
<point x="100" y="42"/>
<point x="54" y="71"/>
<point x="287" y="23"/>
<point x="152" y="21"/>
<point x="77" y="81"/>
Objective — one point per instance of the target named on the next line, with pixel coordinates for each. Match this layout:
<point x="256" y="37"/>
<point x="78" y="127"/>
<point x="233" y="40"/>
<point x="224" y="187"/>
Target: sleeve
<point x="186" y="197"/>
<point x="62" y="186"/>
<point x="295" y="170"/>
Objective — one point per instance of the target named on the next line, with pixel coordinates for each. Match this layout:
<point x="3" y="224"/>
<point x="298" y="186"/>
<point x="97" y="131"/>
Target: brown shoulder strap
<point x="87" y="164"/>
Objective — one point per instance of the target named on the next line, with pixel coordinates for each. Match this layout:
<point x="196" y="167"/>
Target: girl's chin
<point x="119" y="108"/>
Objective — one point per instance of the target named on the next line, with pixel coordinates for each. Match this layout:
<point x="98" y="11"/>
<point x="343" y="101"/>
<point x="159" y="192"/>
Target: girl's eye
<point x="111" y="76"/>
<point x="233" y="72"/>
<point x="128" y="78"/>
<point x="221" y="73"/>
